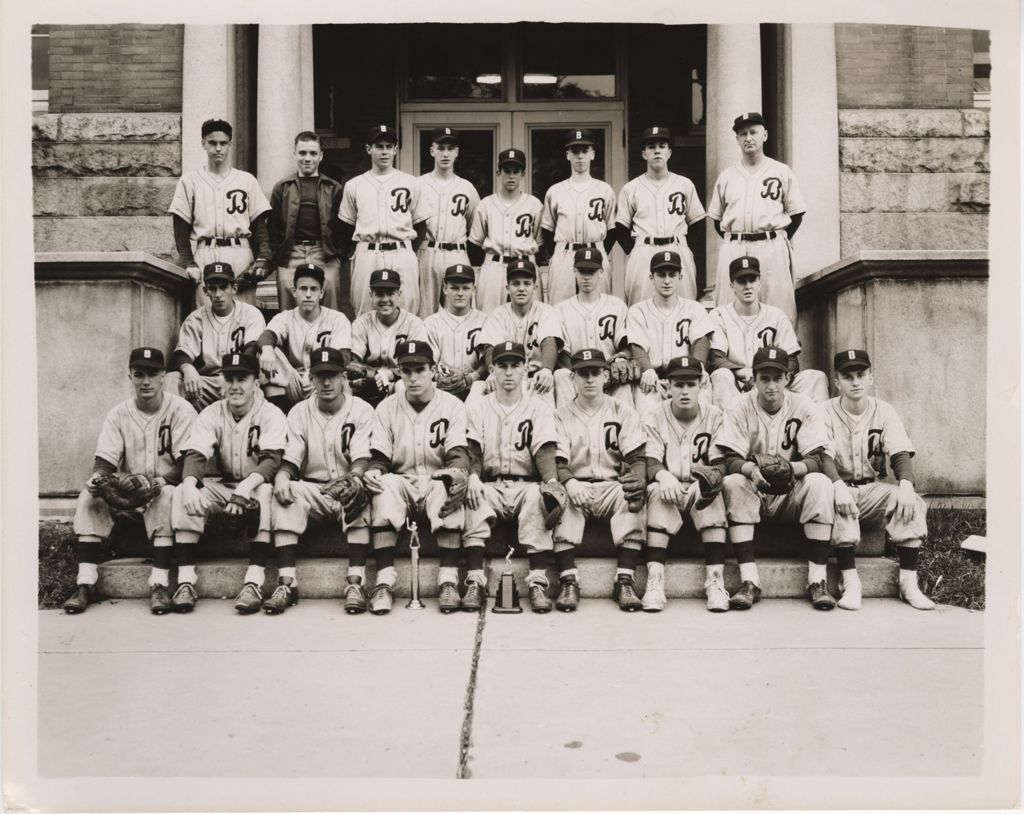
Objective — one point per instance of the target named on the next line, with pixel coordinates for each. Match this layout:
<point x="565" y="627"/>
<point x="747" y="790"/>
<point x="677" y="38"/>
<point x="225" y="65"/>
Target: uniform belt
<point x="447" y="247"/>
<point x="509" y="477"/>
<point x="753" y="237"/>
<point x="575" y="247"/>
<point x="393" y="246"/>
<point x="660" y="241"/>
<point x="589" y="480"/>
<point x="307" y="242"/>
<point x="860" y="482"/>
<point x="221" y="241"/>
<point x="506" y="258"/>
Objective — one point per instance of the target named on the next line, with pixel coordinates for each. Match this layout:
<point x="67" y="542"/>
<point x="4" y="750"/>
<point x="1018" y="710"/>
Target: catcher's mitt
<point x="633" y="488"/>
<point x="126" y="491"/>
<point x="349" y="491"/>
<point x="247" y="523"/>
<point x="777" y="471"/>
<point x="554" y="497"/>
<point x="710" y="481"/>
<point x="456" y="483"/>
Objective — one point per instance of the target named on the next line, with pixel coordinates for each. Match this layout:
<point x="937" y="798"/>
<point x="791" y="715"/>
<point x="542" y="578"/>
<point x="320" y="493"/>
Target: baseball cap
<point x="588" y="357"/>
<point x="308" y="270"/>
<point x="459" y="273"/>
<point x="326" y="360"/>
<point x="240" y="363"/>
<point x="385" y="278"/>
<point x="744" y="265"/>
<point x="218" y="271"/>
<point x="147" y="359"/>
<point x="412" y="351"/>
<point x="508" y="350"/>
<point x="588" y="260"/>
<point x="215" y="126"/>
<point x="512" y="156"/>
<point x="444" y="134"/>
<point x="521" y="268"/>
<point x="745" y="119"/>
<point x="666" y="260"/>
<point x="574" y="137"/>
<point x="381" y="132"/>
<point x="771" y="358"/>
<point x="683" y="367"/>
<point x="656" y="134"/>
<point x="852" y="359"/>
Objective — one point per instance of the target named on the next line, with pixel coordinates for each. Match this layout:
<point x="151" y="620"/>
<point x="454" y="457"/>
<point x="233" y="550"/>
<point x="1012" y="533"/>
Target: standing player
<point x="654" y="213"/>
<point x="304" y="223"/>
<point x="448" y="203"/>
<point x="506" y="226"/>
<point x="144" y="435"/>
<point x="220" y="214"/>
<point x="577" y="213"/>
<point x="865" y="432"/>
<point x="743" y="326"/>
<point x="224" y="325"/>
<point x="772" y="421"/>
<point x="246" y="436"/>
<point x="380" y="209"/>
<point x="757" y="207"/>
<point x="453" y="333"/>
<point x="663" y="327"/>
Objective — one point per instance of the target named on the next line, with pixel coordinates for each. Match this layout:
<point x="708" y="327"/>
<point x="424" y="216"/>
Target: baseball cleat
<point x="448" y="597"/>
<point x="624" y="593"/>
<point x="159" y="600"/>
<point x="381" y="600"/>
<point x="355" y="597"/>
<point x="568" y="594"/>
<point x="851" y="591"/>
<point x="820" y="598"/>
<point x="475" y="598"/>
<point x="539" y="601"/>
<point x="654" y="594"/>
<point x="79" y="600"/>
<point x="912" y="594"/>
<point x="717" y="596"/>
<point x="249" y="599"/>
<point x="184" y="599"/>
<point x="746" y="596"/>
<point x="283" y="596"/>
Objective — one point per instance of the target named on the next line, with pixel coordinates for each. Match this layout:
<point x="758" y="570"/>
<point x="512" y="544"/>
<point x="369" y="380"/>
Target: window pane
<point x="568" y="61"/>
<point x="476" y="157"/>
<point x="41" y="62"/>
<point x="455" y="62"/>
<point x="548" y="164"/>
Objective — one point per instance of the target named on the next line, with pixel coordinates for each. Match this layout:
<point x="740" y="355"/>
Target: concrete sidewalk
<point x="780" y="690"/>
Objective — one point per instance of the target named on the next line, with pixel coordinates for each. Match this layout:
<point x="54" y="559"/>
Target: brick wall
<point x="100" y="68"/>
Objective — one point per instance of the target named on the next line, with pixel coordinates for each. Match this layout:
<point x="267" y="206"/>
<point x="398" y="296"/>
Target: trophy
<point x="508" y="593"/>
<point x="414" y="565"/>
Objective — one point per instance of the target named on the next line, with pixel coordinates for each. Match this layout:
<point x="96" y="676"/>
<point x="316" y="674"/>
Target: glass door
<point x="481" y="136"/>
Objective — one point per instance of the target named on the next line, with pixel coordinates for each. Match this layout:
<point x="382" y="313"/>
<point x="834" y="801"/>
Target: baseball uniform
<point x="296" y="338"/>
<point x="505" y="231"/>
<point x="503" y="324"/>
<point x="579" y="216"/>
<point x="374" y="343"/>
<point x="448" y="208"/>
<point x="601" y="325"/>
<point x="454" y="339"/>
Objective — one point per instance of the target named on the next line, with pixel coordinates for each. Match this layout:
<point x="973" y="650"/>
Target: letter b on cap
<point x="218" y="268"/>
<point x="667" y="256"/>
<point x="745" y="263"/>
<point x="851" y="354"/>
<point x="235" y="359"/>
<point x="146" y="354"/>
<point x="771" y="354"/>
<point x="587" y="355"/>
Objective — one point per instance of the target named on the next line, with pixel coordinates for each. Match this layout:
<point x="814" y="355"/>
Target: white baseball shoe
<point x="912" y="594"/>
<point x="851" y="589"/>
<point x="654" y="595"/>
<point x="718" y="597"/>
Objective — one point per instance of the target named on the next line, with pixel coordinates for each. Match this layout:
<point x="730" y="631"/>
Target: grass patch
<point x="947" y="575"/>
<point x="57" y="563"/>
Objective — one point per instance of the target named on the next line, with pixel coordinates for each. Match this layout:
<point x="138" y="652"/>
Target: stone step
<point x="323" y="578"/>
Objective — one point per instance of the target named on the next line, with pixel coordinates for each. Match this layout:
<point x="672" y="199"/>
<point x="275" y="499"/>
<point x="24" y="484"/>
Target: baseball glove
<point x="362" y="382"/>
<point x="452" y="381"/>
<point x="633" y="488"/>
<point x="620" y="371"/>
<point x="348" y="490"/>
<point x="710" y="481"/>
<point x="247" y="523"/>
<point x="777" y="471"/>
<point x="456" y="483"/>
<point x="126" y="491"/>
<point x="554" y="497"/>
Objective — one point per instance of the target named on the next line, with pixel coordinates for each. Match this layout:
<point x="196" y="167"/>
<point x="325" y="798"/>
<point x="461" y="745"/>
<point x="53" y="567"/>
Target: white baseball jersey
<point x="665" y="209"/>
<point x="507" y="230"/>
<point x="600" y="324"/>
<point x="237" y="444"/>
<point x="321" y="446"/>
<point x="453" y="339"/>
<point x="679" y="447"/>
<point x="862" y="443"/>
<point x="579" y="214"/>
<point x="595" y="443"/>
<point x="758" y="201"/>
<point x="206" y="337"/>
<point x="416" y="442"/>
<point x="505" y="325"/>
<point x="381" y="207"/>
<point x="795" y="431"/>
<point x="739" y="337"/>
<point x="447" y="207"/>
<point x="374" y="342"/>
<point x="134" y="441"/>
<point x="667" y="334"/>
<point x="298" y="337"/>
<point x="219" y="207"/>
<point x="510" y="435"/>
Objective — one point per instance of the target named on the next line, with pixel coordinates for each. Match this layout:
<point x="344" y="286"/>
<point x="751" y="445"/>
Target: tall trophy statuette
<point x="508" y="593"/>
<point x="414" y="565"/>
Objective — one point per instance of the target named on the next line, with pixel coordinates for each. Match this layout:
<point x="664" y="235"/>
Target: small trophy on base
<point x="414" y="565"/>
<point x="508" y="593"/>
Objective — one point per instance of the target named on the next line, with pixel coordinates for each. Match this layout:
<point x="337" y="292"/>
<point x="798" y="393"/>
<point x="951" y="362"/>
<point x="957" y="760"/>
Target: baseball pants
<point x="93" y="517"/>
<point x="491" y="291"/>
<point x="400" y="492"/>
<point x="607" y="500"/>
<point x="217" y="493"/>
<point x="562" y="275"/>
<point x="668" y="517"/>
<point x="209" y="390"/>
<point x="311" y="502"/>
<point x="504" y="500"/>
<point x="309" y="252"/>
<point x="811" y="503"/>
<point x="565" y="389"/>
<point x="877" y="504"/>
<point x="811" y="383"/>
<point x="776" y="259"/>
<point x="283" y="382"/>
<point x="240" y="258"/>
<point x="402" y="260"/>
<point x="638" y="271"/>
<point x="432" y="263"/>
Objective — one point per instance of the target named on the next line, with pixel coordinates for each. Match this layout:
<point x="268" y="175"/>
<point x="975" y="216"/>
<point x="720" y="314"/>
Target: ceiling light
<point x="540" y="79"/>
<point x="489" y="79"/>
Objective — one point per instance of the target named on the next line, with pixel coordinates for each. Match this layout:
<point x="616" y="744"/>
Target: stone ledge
<point x="80" y="127"/>
<point x="913" y="155"/>
<point x="909" y="230"/>
<point x="914" y="123"/>
<point x="119" y="233"/>
<point x="115" y="159"/>
<point x="893" y="264"/>
<point x="145" y="267"/>
<point x="913" y="192"/>
<point x="45" y="126"/>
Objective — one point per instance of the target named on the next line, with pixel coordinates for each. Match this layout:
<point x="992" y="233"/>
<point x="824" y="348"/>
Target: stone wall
<point x="103" y="181"/>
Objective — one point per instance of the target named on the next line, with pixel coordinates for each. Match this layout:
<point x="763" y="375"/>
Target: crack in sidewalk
<point x="466" y="736"/>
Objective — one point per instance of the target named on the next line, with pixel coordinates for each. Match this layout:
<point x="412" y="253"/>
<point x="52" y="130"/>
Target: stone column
<point x="207" y="86"/>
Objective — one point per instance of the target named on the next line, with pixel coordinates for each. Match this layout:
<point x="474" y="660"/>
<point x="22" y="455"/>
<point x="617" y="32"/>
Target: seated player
<point x="681" y="436"/>
<point x="663" y="327"/>
<point x="743" y="326"/>
<point x="592" y="319"/>
<point x="143" y="435"/>
<point x="511" y="447"/>
<point x="865" y="431"/>
<point x="420" y="459"/>
<point x="376" y="334"/>
<point x="328" y="444"/>
<point x="223" y="325"/>
<point x="293" y="334"/>
<point x="768" y="427"/>
<point x="453" y="333"/>
<point x="245" y="435"/>
<point x="600" y="459"/>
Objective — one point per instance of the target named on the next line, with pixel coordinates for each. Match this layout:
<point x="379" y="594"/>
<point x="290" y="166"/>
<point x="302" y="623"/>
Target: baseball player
<point x="453" y="333"/>
<point x="448" y="203"/>
<point x="304" y="223"/>
<point x="246" y="436"/>
<point x="743" y="326"/>
<point x="506" y="226"/>
<point x="593" y="319"/>
<point x="511" y="446"/>
<point x="418" y="438"/>
<point x="220" y="215"/>
<point x="662" y="327"/>
<point x="328" y="438"/>
<point x="681" y="437"/>
<point x="600" y="457"/>
<point x="577" y="215"/>
<point x="223" y="325"/>
<point x="653" y="214"/>
<point x="866" y="431"/>
<point x="380" y="210"/>
<point x="771" y="420"/>
<point x="286" y="343"/>
<point x="377" y="334"/>
<point x="143" y="435"/>
<point x="757" y="207"/>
